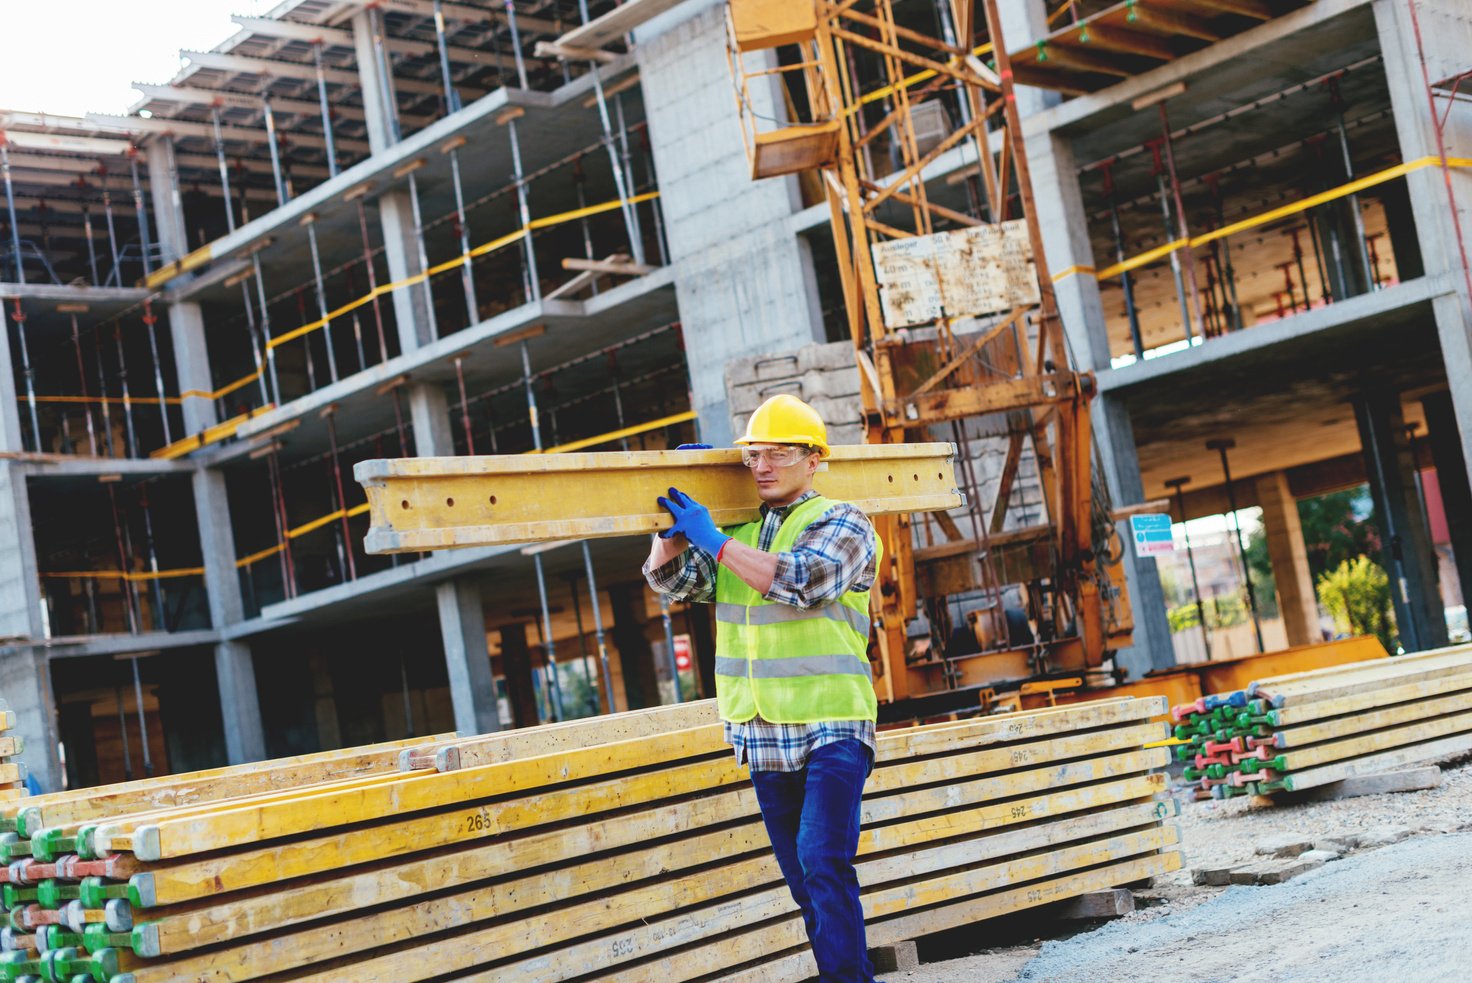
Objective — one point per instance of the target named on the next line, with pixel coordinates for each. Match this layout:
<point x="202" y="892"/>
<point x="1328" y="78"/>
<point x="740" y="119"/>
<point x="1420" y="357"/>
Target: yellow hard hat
<point x="785" y="419"/>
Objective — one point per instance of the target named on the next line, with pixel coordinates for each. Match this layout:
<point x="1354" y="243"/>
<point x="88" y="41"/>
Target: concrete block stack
<point x="12" y="770"/>
<point x="1304" y="730"/>
<point x="823" y="376"/>
<point x="629" y="847"/>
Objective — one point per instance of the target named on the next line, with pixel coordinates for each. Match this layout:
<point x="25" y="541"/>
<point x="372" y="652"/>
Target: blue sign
<point x="1152" y="534"/>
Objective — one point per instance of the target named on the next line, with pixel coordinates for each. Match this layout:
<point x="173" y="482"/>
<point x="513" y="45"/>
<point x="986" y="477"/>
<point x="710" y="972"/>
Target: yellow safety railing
<point x="1273" y="215"/>
<point x="325" y="520"/>
<point x="194" y="259"/>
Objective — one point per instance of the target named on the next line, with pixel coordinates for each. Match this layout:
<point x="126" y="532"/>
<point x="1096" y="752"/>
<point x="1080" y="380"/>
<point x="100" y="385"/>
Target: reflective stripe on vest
<point x="790" y="664"/>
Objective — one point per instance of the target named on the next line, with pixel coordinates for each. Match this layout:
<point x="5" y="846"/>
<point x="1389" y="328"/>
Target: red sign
<point x="682" y="653"/>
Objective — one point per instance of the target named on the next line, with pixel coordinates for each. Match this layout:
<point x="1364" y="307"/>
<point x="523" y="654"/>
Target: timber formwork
<point x="629" y="847"/>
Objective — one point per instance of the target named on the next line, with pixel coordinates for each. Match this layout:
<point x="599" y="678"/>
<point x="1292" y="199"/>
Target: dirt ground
<point x="1395" y="911"/>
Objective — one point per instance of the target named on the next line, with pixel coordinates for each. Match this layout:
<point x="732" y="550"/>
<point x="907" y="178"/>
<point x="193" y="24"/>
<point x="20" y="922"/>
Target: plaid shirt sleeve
<point x="834" y="554"/>
<point x="691" y="576"/>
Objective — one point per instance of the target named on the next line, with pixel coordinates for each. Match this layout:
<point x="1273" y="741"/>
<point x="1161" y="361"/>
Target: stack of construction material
<point x="12" y="771"/>
<point x="627" y="846"/>
<point x="1299" y="731"/>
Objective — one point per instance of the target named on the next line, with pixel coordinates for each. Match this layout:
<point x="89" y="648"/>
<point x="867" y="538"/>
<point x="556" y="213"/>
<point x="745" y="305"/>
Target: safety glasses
<point x="778" y="457"/>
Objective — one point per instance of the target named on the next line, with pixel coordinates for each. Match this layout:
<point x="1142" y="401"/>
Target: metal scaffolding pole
<point x="516" y="44"/>
<point x="467" y="271"/>
<point x="464" y="405"/>
<point x="549" y="647"/>
<point x="132" y="433"/>
<point x="283" y="523"/>
<point x="589" y="672"/>
<point x="224" y="169"/>
<point x="255" y="260"/>
<point x="628" y="162"/>
<point x="434" y="330"/>
<point x="310" y="221"/>
<point x="150" y="320"/>
<point x="142" y="725"/>
<point x="669" y="644"/>
<point x="385" y="73"/>
<point x="1177" y="484"/>
<point x="331" y="147"/>
<point x="19" y="317"/>
<point x="1361" y="243"/>
<point x="531" y="396"/>
<point x="580" y="179"/>
<point x="145" y="240"/>
<point x="342" y="502"/>
<point x="1189" y="262"/>
<point x="452" y="98"/>
<point x="87" y="233"/>
<point x="533" y="283"/>
<point x="255" y="341"/>
<point x="160" y="619"/>
<point x="1125" y="279"/>
<point x="20" y="272"/>
<point x="124" y="566"/>
<point x="271" y="144"/>
<point x="621" y="185"/>
<point x="598" y="628"/>
<point x="372" y="277"/>
<point x="82" y="384"/>
<point x="1222" y="445"/>
<point x="117" y="694"/>
<point x="112" y="232"/>
<point x="101" y="393"/>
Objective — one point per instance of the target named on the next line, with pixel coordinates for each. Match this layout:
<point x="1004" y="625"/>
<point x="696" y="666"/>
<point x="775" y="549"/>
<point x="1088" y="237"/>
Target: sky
<point x="72" y="57"/>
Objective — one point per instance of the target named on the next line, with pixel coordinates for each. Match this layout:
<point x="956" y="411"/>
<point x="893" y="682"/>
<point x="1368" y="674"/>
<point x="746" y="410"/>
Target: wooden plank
<point x="636" y="934"/>
<point x="1417" y="733"/>
<point x="1404" y="780"/>
<point x="1168" y="22"/>
<point x="192" y="835"/>
<point x="614" y="24"/>
<point x="1096" y="904"/>
<point x="432" y="503"/>
<point x="1108" y="37"/>
<point x="879" y="907"/>
<point x="1419" y="689"/>
<point x="1431" y="750"/>
<point x="797" y="966"/>
<point x="749" y="865"/>
<point x="89" y="804"/>
<point x="612" y="267"/>
<point x="1396" y="667"/>
<point x="569" y="735"/>
<point x="1247" y="8"/>
<point x="1337" y="727"/>
<point x="205" y="878"/>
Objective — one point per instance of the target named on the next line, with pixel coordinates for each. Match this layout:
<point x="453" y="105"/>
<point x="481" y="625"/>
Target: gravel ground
<point x="1402" y="905"/>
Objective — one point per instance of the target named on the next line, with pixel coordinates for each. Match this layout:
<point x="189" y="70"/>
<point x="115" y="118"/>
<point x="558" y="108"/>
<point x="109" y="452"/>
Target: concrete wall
<point x="743" y="279"/>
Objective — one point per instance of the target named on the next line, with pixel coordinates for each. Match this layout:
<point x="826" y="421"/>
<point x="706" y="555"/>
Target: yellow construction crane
<point x="847" y="94"/>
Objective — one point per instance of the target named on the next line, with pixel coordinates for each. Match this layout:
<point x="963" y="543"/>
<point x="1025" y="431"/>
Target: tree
<point x="1357" y="596"/>
<point x="1337" y="527"/>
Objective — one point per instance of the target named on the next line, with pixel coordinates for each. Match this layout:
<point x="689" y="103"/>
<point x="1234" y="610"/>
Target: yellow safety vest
<point x="787" y="664"/>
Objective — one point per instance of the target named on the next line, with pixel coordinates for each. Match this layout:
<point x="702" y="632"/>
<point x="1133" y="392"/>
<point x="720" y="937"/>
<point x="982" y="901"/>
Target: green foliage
<point x="1357" y="596"/>
<point x="1221" y="612"/>
<point x="1260" y="564"/>
<point x="1338" y="527"/>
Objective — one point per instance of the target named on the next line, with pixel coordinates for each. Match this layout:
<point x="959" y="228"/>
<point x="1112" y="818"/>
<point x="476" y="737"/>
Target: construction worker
<point x="793" y="682"/>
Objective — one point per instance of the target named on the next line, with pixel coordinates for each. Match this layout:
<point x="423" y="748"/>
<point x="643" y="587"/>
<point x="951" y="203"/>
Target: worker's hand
<point x="694" y="447"/>
<point x="693" y="521"/>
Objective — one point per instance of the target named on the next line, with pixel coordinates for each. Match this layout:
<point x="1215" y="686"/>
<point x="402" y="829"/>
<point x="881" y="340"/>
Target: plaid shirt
<point x="834" y="554"/>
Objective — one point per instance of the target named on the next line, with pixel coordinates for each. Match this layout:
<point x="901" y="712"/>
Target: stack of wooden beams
<point x="1299" y="731"/>
<point x="629" y="846"/>
<point x="12" y="771"/>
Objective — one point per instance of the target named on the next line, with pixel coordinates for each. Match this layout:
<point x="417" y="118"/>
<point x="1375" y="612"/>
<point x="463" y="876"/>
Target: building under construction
<point x="411" y="228"/>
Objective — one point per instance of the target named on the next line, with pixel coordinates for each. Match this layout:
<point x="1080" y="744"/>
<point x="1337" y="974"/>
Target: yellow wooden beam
<point x="439" y="503"/>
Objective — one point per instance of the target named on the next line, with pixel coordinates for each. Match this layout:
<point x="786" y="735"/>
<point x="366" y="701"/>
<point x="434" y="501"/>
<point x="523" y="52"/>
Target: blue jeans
<point x="812" y="819"/>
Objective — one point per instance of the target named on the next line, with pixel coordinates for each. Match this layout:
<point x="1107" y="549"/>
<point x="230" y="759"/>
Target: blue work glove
<point x="693" y="521"/>
<point x="694" y="447"/>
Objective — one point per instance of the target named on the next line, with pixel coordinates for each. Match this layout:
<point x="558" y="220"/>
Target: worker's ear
<point x="813" y="460"/>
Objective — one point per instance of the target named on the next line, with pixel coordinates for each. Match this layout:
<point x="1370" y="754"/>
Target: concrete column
<point x="516" y="666"/>
<point x="25" y="679"/>
<point x="240" y="708"/>
<point x="1296" y="598"/>
<point x="1024" y="22"/>
<point x="192" y="362"/>
<point x="1059" y="204"/>
<point x="377" y="113"/>
<point x="641" y="685"/>
<point x="10" y="407"/>
<point x="744" y="282"/>
<point x="168" y="203"/>
<point x="1451" y="475"/>
<point x="463" y="628"/>
<point x="401" y="252"/>
<point x="1444" y="27"/>
<point x="1409" y="558"/>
